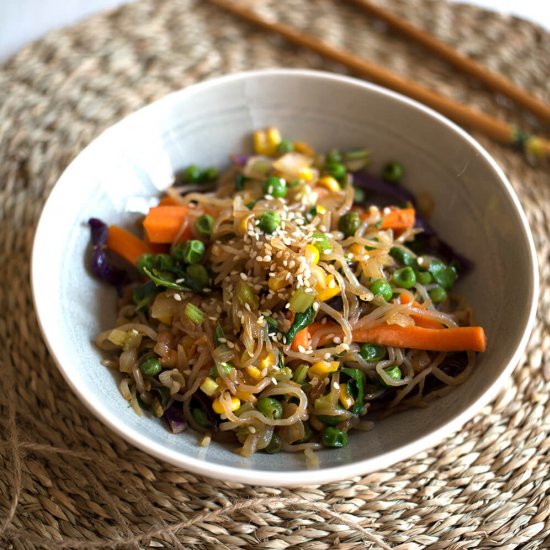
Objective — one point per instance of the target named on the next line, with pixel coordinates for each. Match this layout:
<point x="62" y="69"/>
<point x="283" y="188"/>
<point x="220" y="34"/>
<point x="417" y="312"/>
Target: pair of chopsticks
<point x="493" y="128"/>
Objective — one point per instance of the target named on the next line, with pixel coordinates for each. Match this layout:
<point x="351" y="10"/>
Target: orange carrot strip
<point x="163" y="224"/>
<point x="399" y="218"/>
<point x="302" y="338"/>
<point x="126" y="244"/>
<point x="447" y="339"/>
<point x="168" y="200"/>
<point x="419" y="321"/>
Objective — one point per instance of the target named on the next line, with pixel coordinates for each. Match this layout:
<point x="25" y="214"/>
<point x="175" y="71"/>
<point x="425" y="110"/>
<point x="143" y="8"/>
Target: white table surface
<point x="22" y="21"/>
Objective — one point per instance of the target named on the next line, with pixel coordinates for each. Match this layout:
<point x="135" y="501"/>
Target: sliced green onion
<point x="194" y="314"/>
<point x="300" y="373"/>
<point x="245" y="295"/>
<point x="301" y="300"/>
<point x="333" y="437"/>
<point x="321" y="242"/>
<point x="372" y="352"/>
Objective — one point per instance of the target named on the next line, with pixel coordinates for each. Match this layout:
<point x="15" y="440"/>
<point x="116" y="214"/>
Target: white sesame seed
<point x="326" y="356"/>
<point x="177" y="297"/>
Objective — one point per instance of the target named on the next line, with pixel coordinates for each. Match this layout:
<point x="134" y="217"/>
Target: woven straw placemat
<point x="66" y="481"/>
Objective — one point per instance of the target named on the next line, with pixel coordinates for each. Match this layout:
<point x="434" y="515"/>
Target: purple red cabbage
<point x="101" y="266"/>
<point x="173" y="416"/>
<point x="383" y="193"/>
<point x="239" y="160"/>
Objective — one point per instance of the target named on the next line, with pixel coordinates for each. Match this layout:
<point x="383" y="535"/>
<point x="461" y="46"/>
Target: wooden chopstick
<point x="495" y="129"/>
<point x="467" y="65"/>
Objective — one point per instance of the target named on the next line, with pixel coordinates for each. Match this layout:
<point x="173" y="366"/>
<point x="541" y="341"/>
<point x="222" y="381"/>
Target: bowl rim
<point x="306" y="476"/>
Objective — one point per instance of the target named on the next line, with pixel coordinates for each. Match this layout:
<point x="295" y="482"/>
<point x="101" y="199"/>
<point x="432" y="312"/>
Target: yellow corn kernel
<point x="304" y="148"/>
<point x="267" y="360"/>
<point x="254" y="372"/>
<point x="306" y="174"/>
<point x="357" y="249"/>
<point x="331" y="290"/>
<point x="320" y="278"/>
<point x="345" y="398"/>
<point x="242" y="225"/>
<point x="321" y="209"/>
<point x="266" y="141"/>
<point x="328" y="182"/>
<point x="218" y="408"/>
<point x="323" y="367"/>
<point x="209" y="386"/>
<point x="277" y="282"/>
<point x="246" y="396"/>
<point x="311" y="254"/>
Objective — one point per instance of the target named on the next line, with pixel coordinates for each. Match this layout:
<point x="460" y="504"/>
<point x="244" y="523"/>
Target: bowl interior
<point x="475" y="211"/>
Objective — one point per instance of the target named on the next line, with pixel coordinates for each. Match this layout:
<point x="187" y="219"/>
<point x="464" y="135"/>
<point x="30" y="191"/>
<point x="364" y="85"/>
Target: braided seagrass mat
<point x="66" y="481"/>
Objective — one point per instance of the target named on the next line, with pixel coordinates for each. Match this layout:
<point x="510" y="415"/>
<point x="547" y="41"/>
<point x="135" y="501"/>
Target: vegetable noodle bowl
<point x="285" y="301"/>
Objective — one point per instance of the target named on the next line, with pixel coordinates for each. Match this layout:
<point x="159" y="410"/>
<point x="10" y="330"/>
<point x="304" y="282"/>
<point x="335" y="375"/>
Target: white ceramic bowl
<point x="476" y="211"/>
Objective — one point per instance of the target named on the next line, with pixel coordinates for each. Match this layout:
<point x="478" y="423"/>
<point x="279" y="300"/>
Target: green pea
<point x="275" y="445"/>
<point x="199" y="416"/>
<point x="336" y="170"/>
<point x="423" y="277"/>
<point x="438" y="295"/>
<point x="208" y="175"/>
<point x="404" y="277"/>
<point x="393" y="172"/>
<point x="285" y="146"/>
<point x="381" y="287"/>
<point x="269" y="221"/>
<point x="149" y="365"/>
<point x="402" y="256"/>
<point x="444" y="275"/>
<point x="270" y="408"/>
<point x="163" y="262"/>
<point x="193" y="252"/>
<point x="204" y="225"/>
<point x="198" y="274"/>
<point x="274" y="186"/>
<point x="349" y="223"/>
<point x="372" y="352"/>
<point x="192" y="174"/>
<point x="334" y="157"/>
<point x="147" y="261"/>
<point x="321" y="242"/>
<point x="333" y="437"/>
<point x="177" y="251"/>
<point x="359" y="195"/>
